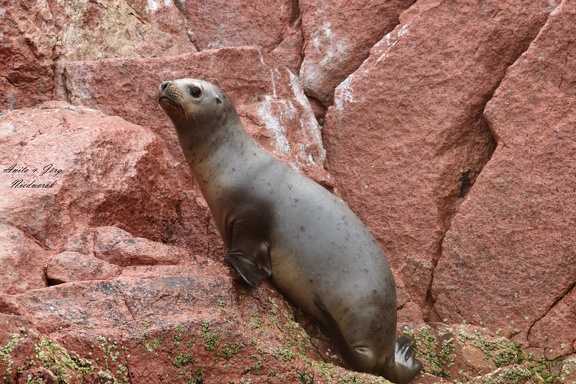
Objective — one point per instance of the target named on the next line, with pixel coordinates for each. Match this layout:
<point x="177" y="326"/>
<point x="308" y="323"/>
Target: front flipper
<point x="249" y="250"/>
<point x="253" y="273"/>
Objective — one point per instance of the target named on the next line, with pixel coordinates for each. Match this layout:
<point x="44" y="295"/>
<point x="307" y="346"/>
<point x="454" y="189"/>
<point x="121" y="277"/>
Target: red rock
<point x="338" y="36"/>
<point x="111" y="172"/>
<point x="567" y="369"/>
<point x="290" y="48"/>
<point x="515" y="374"/>
<point x="69" y="266"/>
<point x="464" y="351"/>
<point x="162" y="322"/>
<point x="508" y="259"/>
<point x="40" y="36"/>
<point x="218" y="23"/>
<point x="119" y="247"/>
<point x="554" y="333"/>
<point x="28" y="38"/>
<point x="91" y="30"/>
<point x="268" y="97"/>
<point x="22" y="261"/>
<point x="406" y="137"/>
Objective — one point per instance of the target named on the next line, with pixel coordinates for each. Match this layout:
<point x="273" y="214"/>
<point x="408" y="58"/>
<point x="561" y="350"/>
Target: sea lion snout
<point x="169" y="97"/>
<point x="164" y="85"/>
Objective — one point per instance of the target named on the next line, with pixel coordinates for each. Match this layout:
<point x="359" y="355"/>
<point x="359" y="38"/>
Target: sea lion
<point x="282" y="226"/>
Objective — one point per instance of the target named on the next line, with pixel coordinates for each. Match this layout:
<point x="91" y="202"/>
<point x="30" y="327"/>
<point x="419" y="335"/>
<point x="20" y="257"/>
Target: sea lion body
<point x="278" y="224"/>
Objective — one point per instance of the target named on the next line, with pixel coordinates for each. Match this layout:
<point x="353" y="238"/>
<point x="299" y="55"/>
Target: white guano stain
<point x="391" y="39"/>
<point x="272" y="79"/>
<point x="311" y="129"/>
<point x="344" y="93"/>
<point x="322" y="37"/>
<point x="154" y="5"/>
<point x="7" y="130"/>
<point x="325" y="51"/>
<point x="274" y="124"/>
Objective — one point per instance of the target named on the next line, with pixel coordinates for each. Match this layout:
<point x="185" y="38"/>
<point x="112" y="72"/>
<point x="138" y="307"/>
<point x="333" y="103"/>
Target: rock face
<point x="422" y="91"/>
<point x="448" y="127"/>
<point x="518" y="222"/>
<point x="338" y="36"/>
<point x="70" y="266"/>
<point x="66" y="168"/>
<point x="26" y="64"/>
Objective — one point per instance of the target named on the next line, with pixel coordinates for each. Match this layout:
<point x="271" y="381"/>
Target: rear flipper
<point x="405" y="365"/>
<point x="400" y="370"/>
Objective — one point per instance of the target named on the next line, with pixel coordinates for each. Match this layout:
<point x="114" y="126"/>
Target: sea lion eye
<point x="195" y="92"/>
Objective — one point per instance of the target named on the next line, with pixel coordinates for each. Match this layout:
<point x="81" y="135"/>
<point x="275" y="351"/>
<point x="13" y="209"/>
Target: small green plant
<point x="212" y="341"/>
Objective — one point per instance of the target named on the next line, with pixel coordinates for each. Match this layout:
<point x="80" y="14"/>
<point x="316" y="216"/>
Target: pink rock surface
<point x="70" y="266"/>
<point x="220" y="23"/>
<point x="38" y="37"/>
<point x="89" y="30"/>
<point x="158" y="323"/>
<point x="338" y="36"/>
<point x="119" y="247"/>
<point x="508" y="260"/>
<point x="97" y="169"/>
<point x="269" y="98"/>
<point x="22" y="261"/>
<point x="406" y="137"/>
<point x="554" y="333"/>
<point x="26" y="45"/>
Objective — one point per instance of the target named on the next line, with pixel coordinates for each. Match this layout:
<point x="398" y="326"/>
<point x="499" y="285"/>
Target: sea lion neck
<point x="204" y="143"/>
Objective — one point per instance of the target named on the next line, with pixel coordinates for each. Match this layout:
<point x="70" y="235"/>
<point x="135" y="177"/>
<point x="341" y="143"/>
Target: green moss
<point x="109" y="349"/>
<point x="283" y="354"/>
<point x="254" y="367"/>
<point x="501" y="351"/>
<point x="52" y="355"/>
<point x="439" y="357"/>
<point x="230" y="349"/>
<point x="182" y="360"/>
<point x="176" y="340"/>
<point x="516" y="366"/>
<point x="178" y="337"/>
<point x="305" y="377"/>
<point x="542" y="370"/>
<point x="6" y="352"/>
<point x="257" y="323"/>
<point x="64" y="367"/>
<point x="510" y="375"/>
<point x="212" y="341"/>
<point x="566" y="371"/>
<point x="150" y="347"/>
<point x="330" y="374"/>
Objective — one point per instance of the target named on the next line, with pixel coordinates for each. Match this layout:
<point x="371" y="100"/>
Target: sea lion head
<point x="193" y="103"/>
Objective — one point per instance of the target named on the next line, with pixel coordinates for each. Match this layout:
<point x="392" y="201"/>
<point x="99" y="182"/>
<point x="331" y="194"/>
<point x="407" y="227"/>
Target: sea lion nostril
<point x="164" y="85"/>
